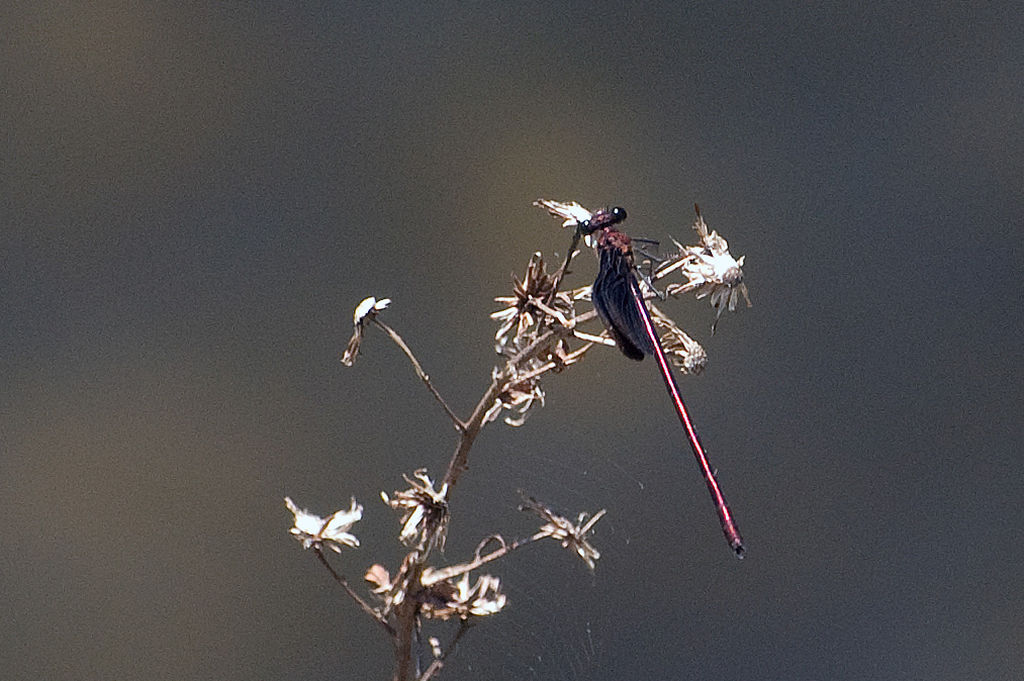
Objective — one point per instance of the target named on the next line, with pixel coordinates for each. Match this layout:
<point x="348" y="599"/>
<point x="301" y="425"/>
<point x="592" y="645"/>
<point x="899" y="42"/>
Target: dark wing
<point x="613" y="299"/>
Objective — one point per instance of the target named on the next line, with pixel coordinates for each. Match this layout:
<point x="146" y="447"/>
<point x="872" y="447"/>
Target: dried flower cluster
<point x="418" y="591"/>
<point x="366" y="311"/>
<point x="710" y="271"/>
<point x="425" y="519"/>
<point x="535" y="297"/>
<point x="538" y="325"/>
<point x="569" y="534"/>
<point x="537" y="310"/>
<point x="458" y="599"/>
<point x="686" y="353"/>
<point x="332" y="531"/>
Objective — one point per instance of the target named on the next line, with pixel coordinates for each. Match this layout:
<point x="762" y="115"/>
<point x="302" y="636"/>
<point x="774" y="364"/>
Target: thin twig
<point x="550" y="311"/>
<point x="564" y="269"/>
<point x="539" y="343"/>
<point x="432" y="577"/>
<point x="602" y="339"/>
<point x="340" y="579"/>
<point x="456" y="421"/>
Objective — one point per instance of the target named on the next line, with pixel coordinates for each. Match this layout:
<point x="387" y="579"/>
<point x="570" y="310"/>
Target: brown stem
<point x="435" y="576"/>
<point x="469" y="432"/>
<point x="459" y="425"/>
<point x="406" y="614"/>
<point x="340" y="579"/>
<point x="565" y="266"/>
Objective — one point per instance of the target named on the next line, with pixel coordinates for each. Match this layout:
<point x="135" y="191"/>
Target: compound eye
<point x="585" y="227"/>
<point x="619" y="213"/>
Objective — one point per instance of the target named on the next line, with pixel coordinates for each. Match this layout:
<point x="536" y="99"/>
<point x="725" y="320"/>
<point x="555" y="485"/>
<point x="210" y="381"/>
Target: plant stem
<point x="340" y="579"/>
<point x="459" y="425"/>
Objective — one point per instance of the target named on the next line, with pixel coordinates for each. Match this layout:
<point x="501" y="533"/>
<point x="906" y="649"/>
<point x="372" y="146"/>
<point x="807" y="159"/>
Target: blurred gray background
<point x="196" y="195"/>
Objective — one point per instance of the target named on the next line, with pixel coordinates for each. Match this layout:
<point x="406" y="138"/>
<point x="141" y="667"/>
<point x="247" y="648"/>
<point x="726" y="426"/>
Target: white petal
<point x="305" y="521"/>
<point x="572" y="212"/>
<point x="368" y="305"/>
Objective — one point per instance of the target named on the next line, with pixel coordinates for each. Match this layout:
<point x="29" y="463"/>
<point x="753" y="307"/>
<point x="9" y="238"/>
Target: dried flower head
<point x="710" y="271"/>
<point x="333" y="531"/>
<point x="391" y="590"/>
<point x="569" y="534"/>
<point x="378" y="576"/>
<point x="571" y="212"/>
<point x="425" y="518"/>
<point x="521" y="393"/>
<point x="457" y="598"/>
<point x="533" y="298"/>
<point x="685" y="352"/>
<point x="573" y="215"/>
<point x="366" y="310"/>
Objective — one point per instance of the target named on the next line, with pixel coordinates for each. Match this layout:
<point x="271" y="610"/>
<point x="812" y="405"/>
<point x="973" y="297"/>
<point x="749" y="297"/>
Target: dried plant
<point x="540" y="332"/>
